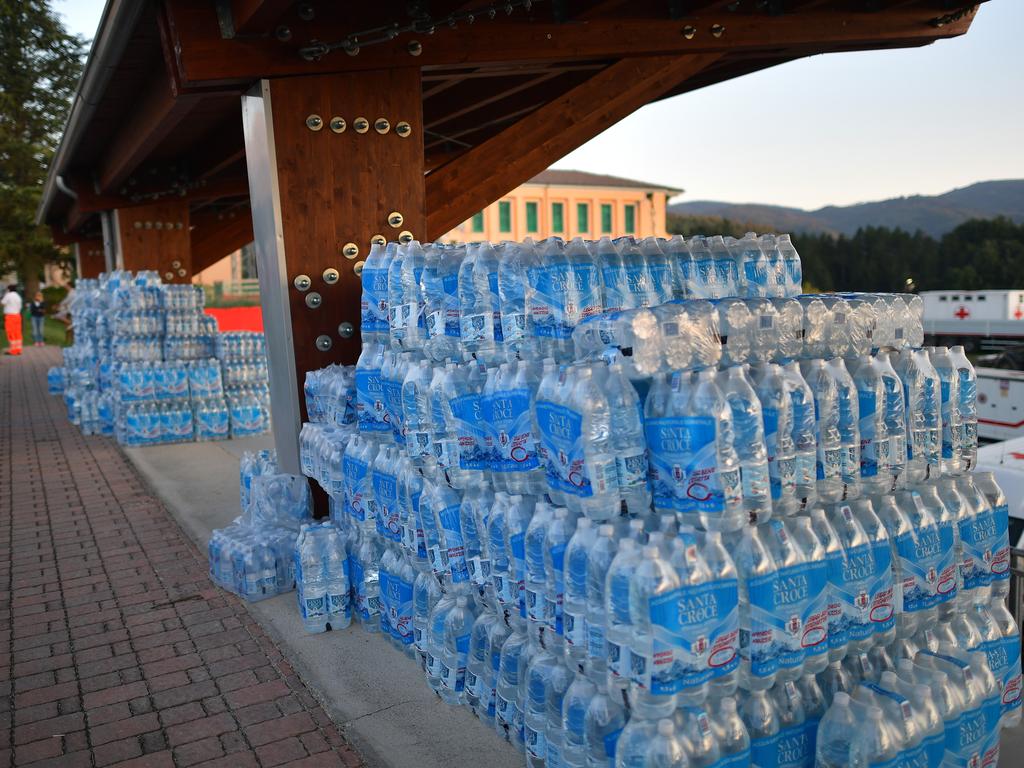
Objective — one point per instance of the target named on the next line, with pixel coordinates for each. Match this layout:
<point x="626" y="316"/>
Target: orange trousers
<point x="12" y="327"/>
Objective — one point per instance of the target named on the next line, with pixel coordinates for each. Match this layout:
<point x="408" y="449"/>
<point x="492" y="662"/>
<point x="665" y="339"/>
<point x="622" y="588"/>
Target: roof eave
<point x="117" y="25"/>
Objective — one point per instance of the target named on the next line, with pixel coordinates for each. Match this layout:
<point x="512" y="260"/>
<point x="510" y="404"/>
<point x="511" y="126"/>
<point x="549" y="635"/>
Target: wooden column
<point x="156" y="236"/>
<point x="89" y="258"/>
<point x="319" y="193"/>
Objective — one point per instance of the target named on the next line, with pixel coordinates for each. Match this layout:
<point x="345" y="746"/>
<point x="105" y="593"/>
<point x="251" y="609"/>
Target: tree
<point x="39" y="68"/>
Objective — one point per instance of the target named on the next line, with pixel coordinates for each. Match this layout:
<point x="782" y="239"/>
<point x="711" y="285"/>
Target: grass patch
<point x="53" y="333"/>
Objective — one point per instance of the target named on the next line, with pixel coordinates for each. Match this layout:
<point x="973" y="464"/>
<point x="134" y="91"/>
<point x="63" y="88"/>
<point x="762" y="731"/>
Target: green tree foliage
<point x="39" y="67"/>
<point x="978" y="254"/>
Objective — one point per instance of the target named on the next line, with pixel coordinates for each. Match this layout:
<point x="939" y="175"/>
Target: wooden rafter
<point x="203" y="56"/>
<point x="474" y="179"/>
<point x="215" y="236"/>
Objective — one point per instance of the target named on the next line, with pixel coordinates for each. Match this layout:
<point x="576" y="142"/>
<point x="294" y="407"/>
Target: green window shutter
<point x="582" y="217"/>
<point x="630" y="224"/>
<point x="505" y="216"/>
<point x="531" y="217"/>
<point x="557" y="217"/>
<point x="606" y="219"/>
<point x="478" y="222"/>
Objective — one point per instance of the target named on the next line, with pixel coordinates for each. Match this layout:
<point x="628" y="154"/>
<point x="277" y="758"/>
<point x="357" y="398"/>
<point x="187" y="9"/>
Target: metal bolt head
<point x="137" y="224"/>
<point x="168" y="276"/>
<point x="381" y="125"/>
<point x="283" y="33"/>
<point x="323" y="342"/>
<point x="358" y="267"/>
<point x="361" y="125"/>
<point x="175" y="263"/>
<point x="378" y="240"/>
<point x="689" y="32"/>
<point x="306" y="12"/>
<point x="302" y="282"/>
<point x="395" y="219"/>
<point x="346" y="330"/>
<point x="314" y="300"/>
<point x="350" y="250"/>
<point x="182" y="272"/>
<point x="148" y="225"/>
<point x="405" y="236"/>
<point x="159" y="225"/>
<point x="338" y="124"/>
<point x="331" y="275"/>
<point x="717" y="30"/>
<point x="314" y="122"/>
<point x="415" y="48"/>
<point x="403" y="129"/>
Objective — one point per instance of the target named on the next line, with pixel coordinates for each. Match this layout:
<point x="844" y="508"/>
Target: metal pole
<point x="268" y="233"/>
<point x="111" y="251"/>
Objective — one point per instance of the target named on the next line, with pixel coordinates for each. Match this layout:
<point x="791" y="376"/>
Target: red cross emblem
<point x="962" y="313"/>
<point x="1019" y="313"/>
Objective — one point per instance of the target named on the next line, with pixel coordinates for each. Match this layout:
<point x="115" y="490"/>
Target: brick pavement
<point x="115" y="649"/>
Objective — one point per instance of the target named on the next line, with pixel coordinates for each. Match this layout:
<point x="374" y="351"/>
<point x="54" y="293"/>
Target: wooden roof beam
<point x="202" y="56"/>
<point x="215" y="236"/>
<point x="159" y="112"/>
<point x="255" y="17"/>
<point x="473" y="180"/>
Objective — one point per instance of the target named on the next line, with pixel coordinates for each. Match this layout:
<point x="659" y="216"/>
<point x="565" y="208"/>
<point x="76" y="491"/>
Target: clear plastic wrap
<point x="816" y="321"/>
<point x="735" y="325"/>
<point x="789" y="338"/>
<point x="764" y="329"/>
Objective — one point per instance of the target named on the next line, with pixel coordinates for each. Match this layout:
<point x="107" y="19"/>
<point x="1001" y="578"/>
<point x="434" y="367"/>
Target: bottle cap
<point x="841" y="699"/>
<point x="665" y="727"/>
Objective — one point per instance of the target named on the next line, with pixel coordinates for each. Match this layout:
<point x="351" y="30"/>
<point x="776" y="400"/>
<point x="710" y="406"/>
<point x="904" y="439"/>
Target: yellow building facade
<point x="571" y="204"/>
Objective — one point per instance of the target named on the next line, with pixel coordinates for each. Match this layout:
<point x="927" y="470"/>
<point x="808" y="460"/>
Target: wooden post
<point x="329" y="157"/>
<point x="89" y="258"/>
<point x="156" y="236"/>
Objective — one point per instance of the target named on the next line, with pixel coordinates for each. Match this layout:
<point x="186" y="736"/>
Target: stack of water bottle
<point x="757" y="550"/>
<point x="142" y="365"/>
<point x="243" y="365"/>
<point x="252" y="557"/>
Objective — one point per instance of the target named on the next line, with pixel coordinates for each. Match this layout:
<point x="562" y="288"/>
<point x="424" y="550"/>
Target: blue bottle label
<point x="684" y="465"/>
<point x="355" y="471"/>
<point x="855" y="591"/>
<point x="764" y="751"/>
<point x="371" y="414"/>
<point x="512" y="447"/>
<point x="978" y="534"/>
<point x="699" y="625"/>
<point x="374" y="305"/>
<point x="470" y="430"/>
<point x="928" y="567"/>
<point x="796" y="745"/>
<point x="1000" y="562"/>
<point x="561" y="435"/>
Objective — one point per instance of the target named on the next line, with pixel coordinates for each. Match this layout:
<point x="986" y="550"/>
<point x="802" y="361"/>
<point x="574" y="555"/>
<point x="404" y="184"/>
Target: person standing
<point x="12" y="319"/>
<point x="37" y="311"/>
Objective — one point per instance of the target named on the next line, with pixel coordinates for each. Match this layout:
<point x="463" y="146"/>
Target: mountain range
<point x="933" y="214"/>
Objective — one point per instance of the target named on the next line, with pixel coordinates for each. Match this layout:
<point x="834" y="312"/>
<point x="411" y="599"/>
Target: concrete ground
<point x="377" y="697"/>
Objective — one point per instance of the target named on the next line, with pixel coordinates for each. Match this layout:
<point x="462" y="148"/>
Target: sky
<point x="833" y="129"/>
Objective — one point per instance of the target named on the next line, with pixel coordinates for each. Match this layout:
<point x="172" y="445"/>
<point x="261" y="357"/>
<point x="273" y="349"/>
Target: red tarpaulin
<point x="238" y="318"/>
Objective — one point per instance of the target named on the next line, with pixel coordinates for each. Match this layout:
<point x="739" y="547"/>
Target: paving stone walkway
<point x="115" y="648"/>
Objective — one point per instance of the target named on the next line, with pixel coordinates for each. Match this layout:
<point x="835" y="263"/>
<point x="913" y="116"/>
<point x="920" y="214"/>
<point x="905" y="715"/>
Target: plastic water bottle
<point x="508" y="720"/>
<point x="849" y="432"/>
<point x="556" y="541"/>
<point x="575" y="703"/>
<point x="922" y="403"/>
<point x="999" y="560"/>
<point x="876" y="475"/>
<point x="618" y="633"/>
<point x="602" y="724"/>
<point x="339" y="606"/>
<point x="627" y="441"/>
<point x="757" y="578"/>
<point x="968" y="405"/>
<point x="310" y="574"/>
<point x="776" y="412"/>
<point x="596" y="478"/>
<point x="749" y="439"/>
<point x="654" y="617"/>
<point x="713" y="476"/>
<point x="374" y="304"/>
<point x="815" y="619"/>
<point x="829" y="464"/>
<point x="574" y="608"/>
<point x="836" y="733"/>
<point x="600" y="557"/>
<point x="1006" y="666"/>
<point x="951" y="459"/>
<point x="457" y="627"/>
<point x="512" y="281"/>
<point x="804" y="433"/>
<point x="761" y="718"/>
<point x="479" y="679"/>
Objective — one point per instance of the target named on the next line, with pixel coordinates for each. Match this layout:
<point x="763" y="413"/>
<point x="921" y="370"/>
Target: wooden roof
<point x="161" y="117"/>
